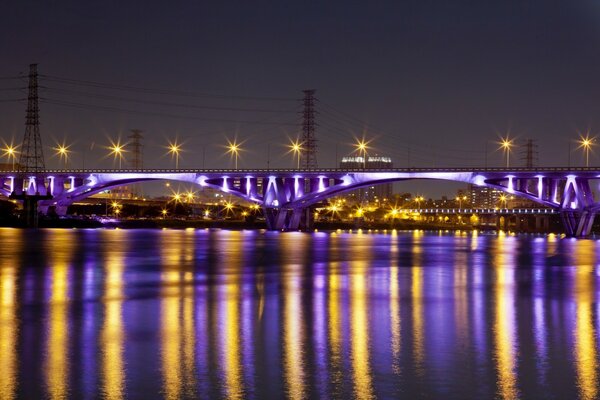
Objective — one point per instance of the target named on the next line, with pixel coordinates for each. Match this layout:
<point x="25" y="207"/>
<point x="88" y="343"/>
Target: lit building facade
<point x="483" y="197"/>
<point x="371" y="194"/>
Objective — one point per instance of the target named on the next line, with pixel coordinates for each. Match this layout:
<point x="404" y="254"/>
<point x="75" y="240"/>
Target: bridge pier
<point x="578" y="224"/>
<point x="280" y="219"/>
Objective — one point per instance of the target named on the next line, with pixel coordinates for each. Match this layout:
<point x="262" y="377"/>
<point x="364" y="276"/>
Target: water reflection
<point x="218" y="314"/>
<point x="111" y="338"/>
<point x="293" y="328"/>
<point x="9" y="323"/>
<point x="504" y="326"/>
<point x="57" y="353"/>
<point x="586" y="354"/>
<point x="359" y="308"/>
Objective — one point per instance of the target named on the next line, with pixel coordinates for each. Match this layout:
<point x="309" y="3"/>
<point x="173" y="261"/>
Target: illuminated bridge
<point x="286" y="194"/>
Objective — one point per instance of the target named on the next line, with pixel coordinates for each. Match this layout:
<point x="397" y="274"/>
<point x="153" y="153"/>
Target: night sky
<point x="439" y="80"/>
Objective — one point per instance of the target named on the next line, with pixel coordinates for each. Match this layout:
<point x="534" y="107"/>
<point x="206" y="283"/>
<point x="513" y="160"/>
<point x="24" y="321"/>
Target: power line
<point x="161" y="103"/>
<point x="102" y="85"/>
<point x="64" y="103"/>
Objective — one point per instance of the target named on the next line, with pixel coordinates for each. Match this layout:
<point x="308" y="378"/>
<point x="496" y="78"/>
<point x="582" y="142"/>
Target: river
<point x="251" y="314"/>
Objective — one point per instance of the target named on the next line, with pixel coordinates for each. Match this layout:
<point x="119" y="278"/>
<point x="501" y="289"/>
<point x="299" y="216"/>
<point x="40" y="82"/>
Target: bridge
<point x="286" y="195"/>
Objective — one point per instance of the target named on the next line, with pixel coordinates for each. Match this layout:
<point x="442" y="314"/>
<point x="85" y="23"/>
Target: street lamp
<point x="460" y="200"/>
<point x="174" y="150"/>
<point x="361" y="147"/>
<point x="586" y="144"/>
<point x="10" y="151"/>
<point x="419" y="199"/>
<point x="296" y="148"/>
<point x="234" y="149"/>
<point x="62" y="151"/>
<point x="116" y="150"/>
<point x="503" y="200"/>
<point x="505" y="145"/>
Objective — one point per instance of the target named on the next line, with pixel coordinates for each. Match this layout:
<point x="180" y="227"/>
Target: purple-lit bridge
<point x="286" y="194"/>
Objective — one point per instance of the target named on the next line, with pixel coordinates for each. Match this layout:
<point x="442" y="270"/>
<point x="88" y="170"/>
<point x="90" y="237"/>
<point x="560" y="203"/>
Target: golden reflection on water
<point x="177" y="314"/>
<point x="394" y="304"/>
<point x="417" y="301"/>
<point x="111" y="337"/>
<point x="363" y="385"/>
<point x="504" y="325"/>
<point x="57" y="359"/>
<point x="335" y="345"/>
<point x="230" y="340"/>
<point x="8" y="326"/>
<point x="294" y="245"/>
<point x="461" y="303"/>
<point x="586" y="353"/>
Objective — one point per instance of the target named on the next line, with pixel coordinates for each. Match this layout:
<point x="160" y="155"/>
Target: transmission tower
<point x="308" y="158"/>
<point x="529" y="153"/>
<point x="137" y="160"/>
<point x="31" y="159"/>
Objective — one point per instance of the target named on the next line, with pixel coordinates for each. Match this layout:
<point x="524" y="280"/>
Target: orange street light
<point x="586" y="142"/>
<point x="174" y="149"/>
<point x="505" y="145"/>
<point x="234" y="149"/>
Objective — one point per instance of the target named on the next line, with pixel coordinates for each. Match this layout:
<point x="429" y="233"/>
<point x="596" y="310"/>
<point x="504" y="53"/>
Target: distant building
<point x="485" y="197"/>
<point x="375" y="193"/>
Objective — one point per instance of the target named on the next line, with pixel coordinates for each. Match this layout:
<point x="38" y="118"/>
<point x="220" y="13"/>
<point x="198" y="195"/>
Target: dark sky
<point x="440" y="78"/>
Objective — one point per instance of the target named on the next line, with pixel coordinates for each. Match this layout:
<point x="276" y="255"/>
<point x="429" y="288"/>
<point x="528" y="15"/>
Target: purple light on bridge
<point x="479" y="180"/>
<point x="248" y="185"/>
<point x="511" y="188"/>
<point x="321" y="184"/>
<point x="540" y="185"/>
<point x="225" y="187"/>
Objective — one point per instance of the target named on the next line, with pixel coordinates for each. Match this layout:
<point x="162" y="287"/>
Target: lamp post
<point x="62" y="151"/>
<point x="586" y="144"/>
<point x="234" y="149"/>
<point x="174" y="149"/>
<point x="296" y="148"/>
<point x="10" y="152"/>
<point x="362" y="146"/>
<point x="116" y="150"/>
<point x="505" y="145"/>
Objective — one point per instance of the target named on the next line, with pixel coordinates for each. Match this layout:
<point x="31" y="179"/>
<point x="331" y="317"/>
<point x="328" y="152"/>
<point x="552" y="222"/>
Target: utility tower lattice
<point x="137" y="161"/>
<point x="32" y="153"/>
<point x="529" y="153"/>
<point x="309" y="142"/>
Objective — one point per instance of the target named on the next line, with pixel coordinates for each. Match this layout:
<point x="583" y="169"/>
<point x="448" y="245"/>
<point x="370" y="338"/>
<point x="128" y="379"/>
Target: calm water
<point x="230" y="314"/>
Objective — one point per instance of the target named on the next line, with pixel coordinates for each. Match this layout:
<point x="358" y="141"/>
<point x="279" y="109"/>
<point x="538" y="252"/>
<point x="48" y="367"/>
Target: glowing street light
<point x="419" y="199"/>
<point x="503" y="199"/>
<point x="116" y="150"/>
<point x="505" y="145"/>
<point x="174" y="150"/>
<point x="586" y="144"/>
<point x="362" y="146"/>
<point x="62" y="151"/>
<point x="164" y="212"/>
<point x="10" y="151"/>
<point x="460" y="200"/>
<point x="296" y="148"/>
<point x="234" y="149"/>
<point x="190" y="196"/>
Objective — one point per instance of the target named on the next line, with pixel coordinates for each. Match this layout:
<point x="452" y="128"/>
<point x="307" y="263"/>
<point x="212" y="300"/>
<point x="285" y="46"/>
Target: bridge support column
<point x="578" y="224"/>
<point x="279" y="219"/>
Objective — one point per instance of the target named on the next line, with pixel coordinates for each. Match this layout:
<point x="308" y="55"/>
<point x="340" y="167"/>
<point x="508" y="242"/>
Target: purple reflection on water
<point x="214" y="314"/>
